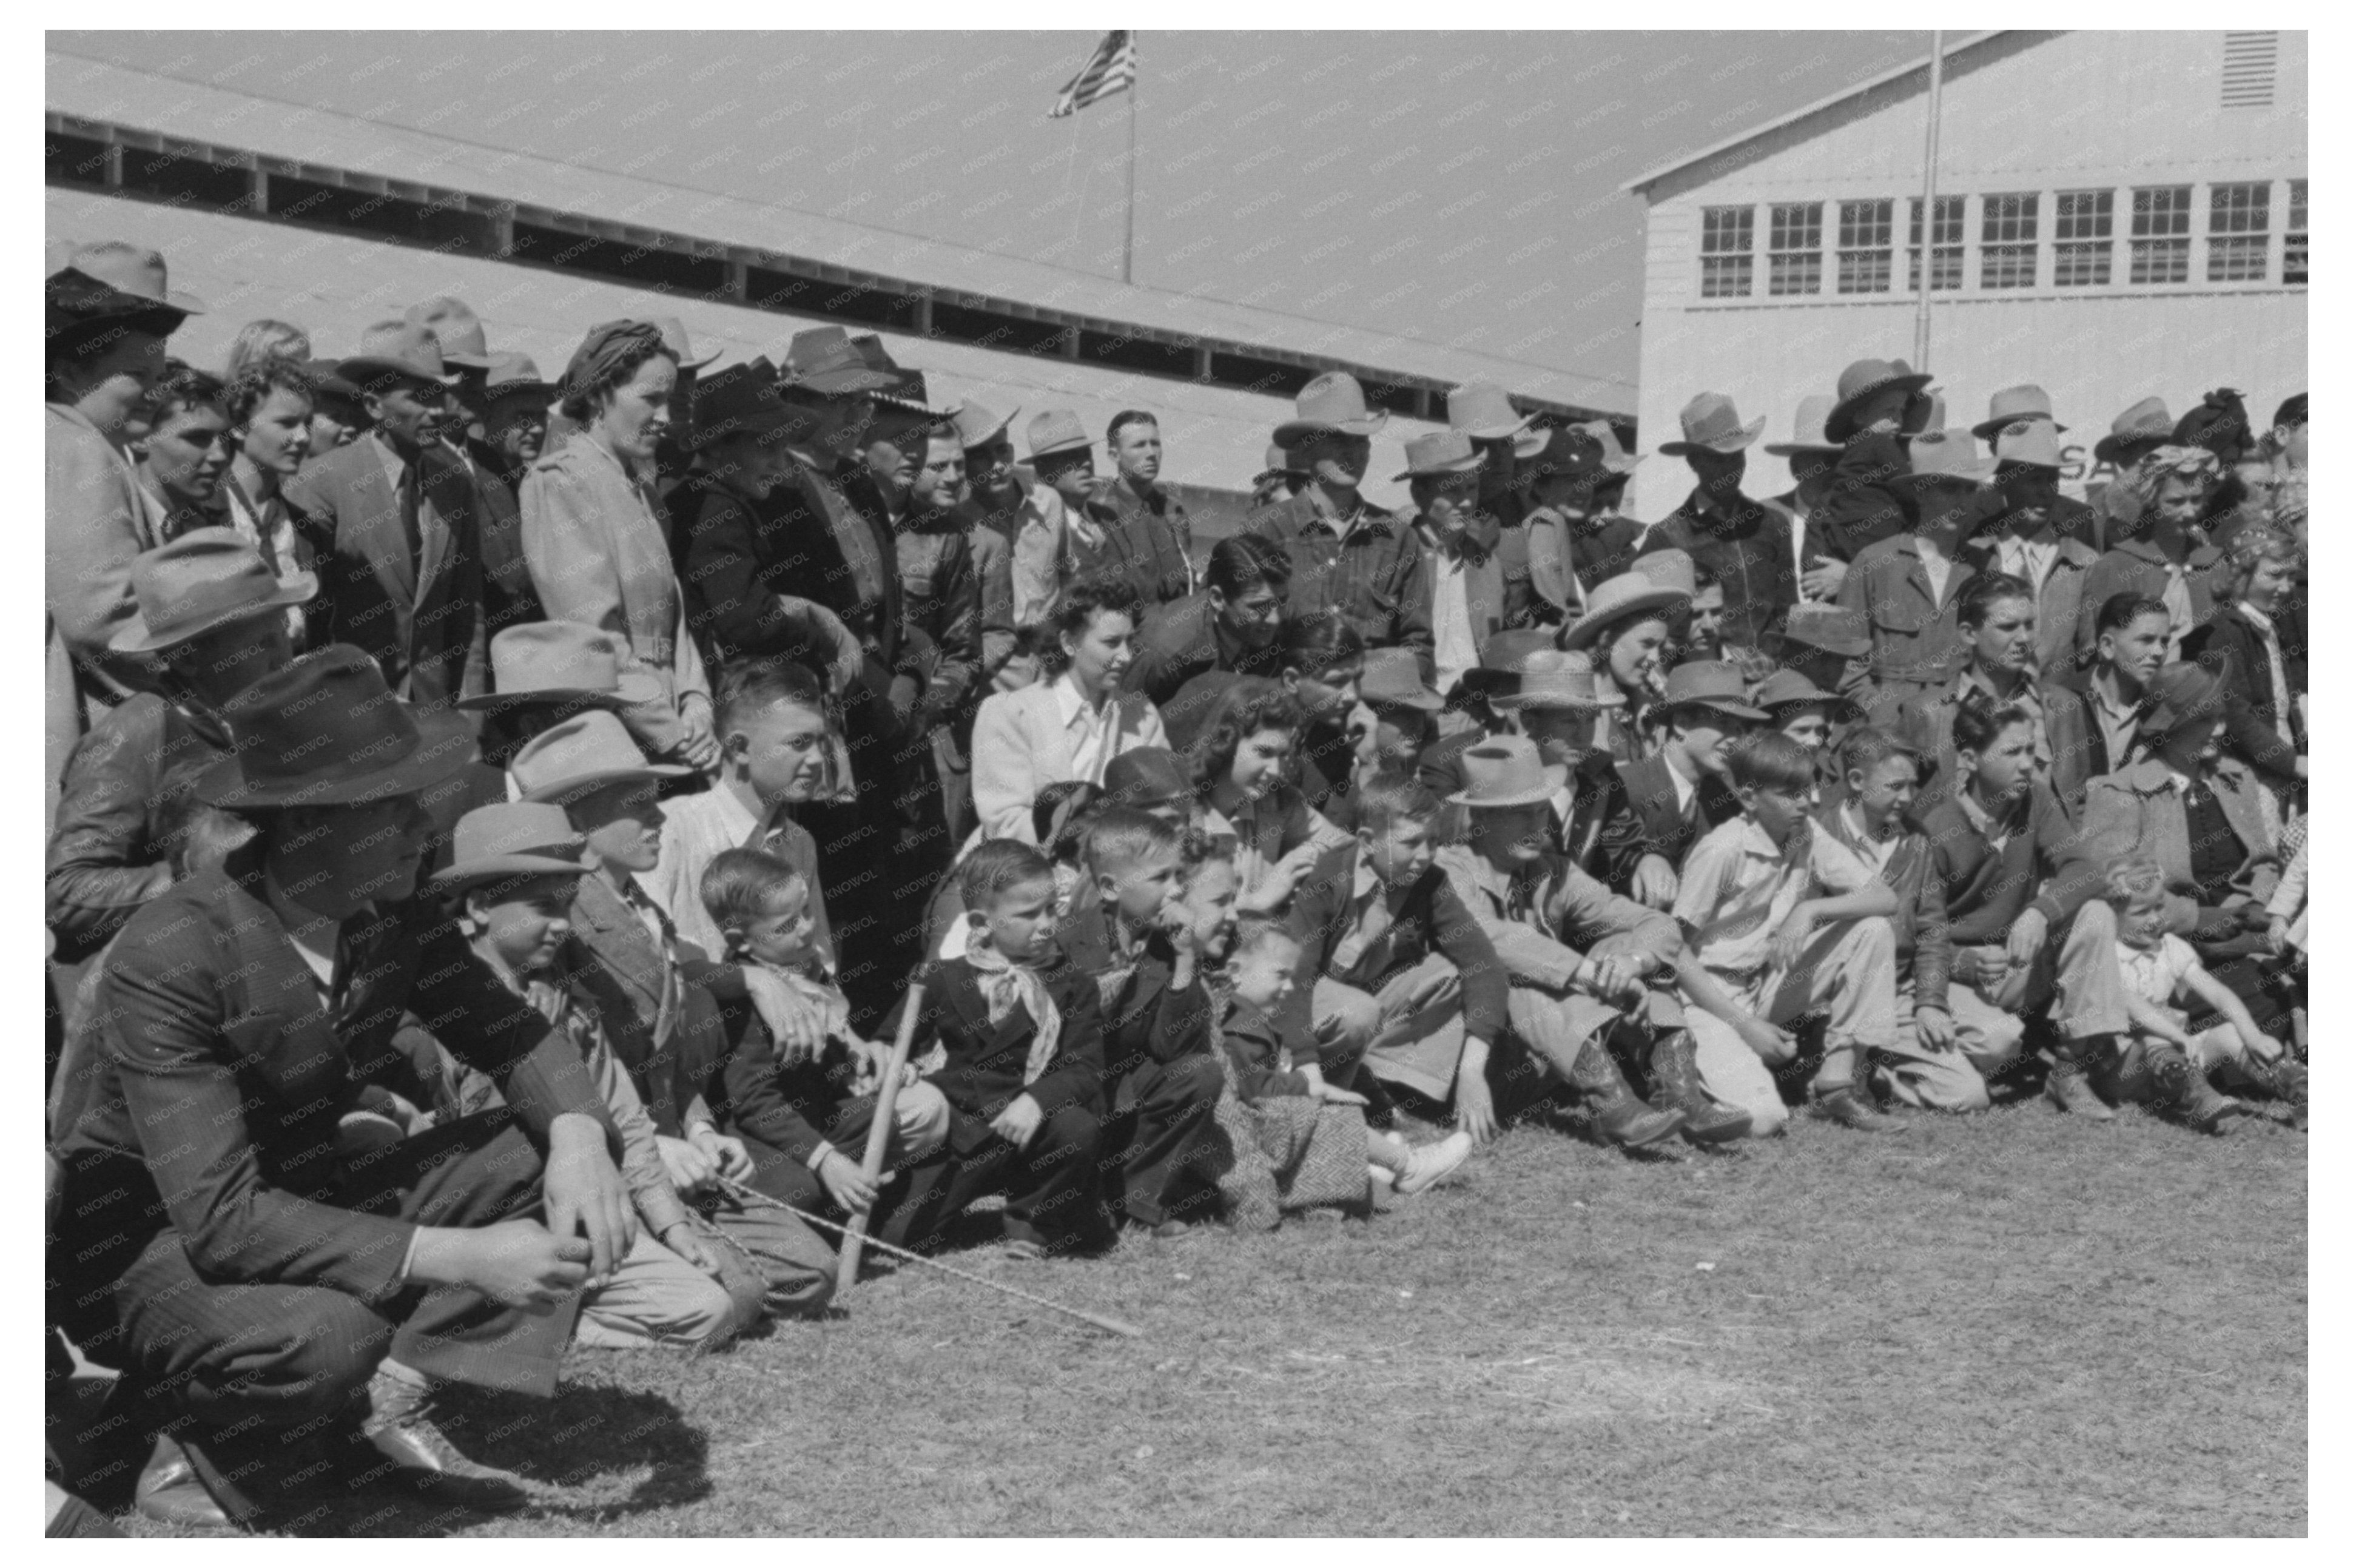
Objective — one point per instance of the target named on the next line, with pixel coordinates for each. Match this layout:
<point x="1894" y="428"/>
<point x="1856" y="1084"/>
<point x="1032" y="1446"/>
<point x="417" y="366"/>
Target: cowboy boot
<point x="1674" y="1072"/>
<point x="2180" y="1085"/>
<point x="1852" y="1105"/>
<point x="1624" y="1117"/>
<point x="2070" y="1089"/>
<point x="2288" y="1080"/>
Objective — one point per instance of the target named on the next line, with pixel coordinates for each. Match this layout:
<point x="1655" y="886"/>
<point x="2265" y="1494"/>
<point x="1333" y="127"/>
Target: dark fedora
<point x="395" y="350"/>
<point x="452" y="321"/>
<point x="325" y="731"/>
<point x="742" y="399"/>
<point x="205" y="579"/>
<point x="823" y="361"/>
<point x="2180" y="695"/>
<point x="1148" y="775"/>
<point x="1858" y="380"/>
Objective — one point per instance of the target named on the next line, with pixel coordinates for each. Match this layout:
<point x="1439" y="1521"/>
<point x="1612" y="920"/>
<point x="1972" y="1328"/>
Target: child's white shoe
<point x="1433" y="1163"/>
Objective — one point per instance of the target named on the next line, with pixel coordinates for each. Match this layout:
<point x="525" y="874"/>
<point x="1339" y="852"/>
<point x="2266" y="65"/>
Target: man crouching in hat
<point x="249" y="1245"/>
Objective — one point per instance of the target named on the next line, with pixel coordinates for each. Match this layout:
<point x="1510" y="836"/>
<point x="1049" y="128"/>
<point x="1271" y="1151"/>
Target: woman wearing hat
<point x="257" y="1278"/>
<point x="1624" y="628"/>
<point x="597" y="539"/>
<point x="2157" y="553"/>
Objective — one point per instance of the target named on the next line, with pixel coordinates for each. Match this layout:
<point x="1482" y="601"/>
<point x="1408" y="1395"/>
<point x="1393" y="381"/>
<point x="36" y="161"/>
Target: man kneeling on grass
<point x="1782" y="920"/>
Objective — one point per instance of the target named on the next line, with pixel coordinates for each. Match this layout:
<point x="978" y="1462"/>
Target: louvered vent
<point x="2250" y="69"/>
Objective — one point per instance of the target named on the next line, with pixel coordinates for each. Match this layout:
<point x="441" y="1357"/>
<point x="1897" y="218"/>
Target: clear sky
<point x="1458" y="187"/>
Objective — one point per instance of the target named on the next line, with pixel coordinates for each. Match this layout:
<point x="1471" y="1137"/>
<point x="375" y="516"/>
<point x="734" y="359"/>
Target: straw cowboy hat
<point x="324" y="731"/>
<point x="1946" y="461"/>
<point x="2011" y="405"/>
<point x="513" y="838"/>
<point x="1626" y="595"/>
<point x="395" y="350"/>
<point x="1483" y="411"/>
<point x="548" y="664"/>
<point x="823" y="361"/>
<point x="111" y="277"/>
<point x="2033" y="442"/>
<point x="1441" y="452"/>
<point x="1710" y="683"/>
<point x="1505" y="771"/>
<point x="586" y="751"/>
<point x="1557" y="678"/>
<point x="1056" y="430"/>
<point x="1788" y="689"/>
<point x="453" y="321"/>
<point x="2144" y="424"/>
<point x="1333" y="400"/>
<point x="976" y="427"/>
<point x="1710" y="420"/>
<point x="1857" y="382"/>
<point x="1668" y="568"/>
<point x="205" y="579"/>
<point x="1806" y="433"/>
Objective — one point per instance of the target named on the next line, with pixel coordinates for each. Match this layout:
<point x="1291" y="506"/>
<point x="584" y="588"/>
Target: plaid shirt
<point x="1375" y="576"/>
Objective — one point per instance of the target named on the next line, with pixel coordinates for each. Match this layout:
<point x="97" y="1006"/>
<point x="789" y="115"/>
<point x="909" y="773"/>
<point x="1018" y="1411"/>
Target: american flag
<point x="1110" y="69"/>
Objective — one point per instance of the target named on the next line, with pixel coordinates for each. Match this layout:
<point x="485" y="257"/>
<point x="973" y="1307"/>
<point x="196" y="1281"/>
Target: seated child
<point x="1388" y="953"/>
<point x="2161" y="1060"/>
<point x="1779" y="919"/>
<point x="1020" y="1033"/>
<point x="511" y="881"/>
<point x="777" y="1099"/>
<point x="1161" y="1075"/>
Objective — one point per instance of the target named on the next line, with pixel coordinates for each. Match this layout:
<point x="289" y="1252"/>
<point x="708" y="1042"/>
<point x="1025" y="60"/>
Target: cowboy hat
<point x="1946" y="461"/>
<point x="1392" y="678"/>
<point x="1668" y="568"/>
<point x="2011" y="405"/>
<point x="1833" y="628"/>
<point x="976" y="427"/>
<point x="1279" y="465"/>
<point x="588" y="751"/>
<point x="1333" y="400"/>
<point x="511" y="839"/>
<point x="906" y="393"/>
<point x="325" y="731"/>
<point x="1626" y="595"/>
<point x="1788" y="689"/>
<point x="1709" y="683"/>
<point x="1857" y="382"/>
<point x="510" y="375"/>
<point x="205" y="579"/>
<point x="560" y="664"/>
<point x="1441" y="452"/>
<point x="114" y="277"/>
<point x="1056" y="430"/>
<point x="2145" y="424"/>
<point x="682" y="347"/>
<point x="1506" y="770"/>
<point x="1806" y="430"/>
<point x="327" y="380"/>
<point x="2031" y="442"/>
<point x="1710" y="420"/>
<point x="453" y="321"/>
<point x="823" y="361"/>
<point x="1557" y="678"/>
<point x="1483" y="411"/>
<point x="398" y="351"/>
<point x="741" y="399"/>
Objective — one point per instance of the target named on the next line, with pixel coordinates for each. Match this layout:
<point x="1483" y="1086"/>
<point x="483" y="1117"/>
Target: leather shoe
<point x="2072" y="1092"/>
<point x="400" y="1426"/>
<point x="170" y="1492"/>
<point x="1848" y="1108"/>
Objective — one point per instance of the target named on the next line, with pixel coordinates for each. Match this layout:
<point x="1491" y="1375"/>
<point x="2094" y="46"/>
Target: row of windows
<point x="2083" y="241"/>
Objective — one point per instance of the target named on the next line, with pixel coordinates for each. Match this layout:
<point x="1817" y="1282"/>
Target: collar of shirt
<point x="2180" y="783"/>
<point x="1360" y="517"/>
<point x="2024" y="694"/>
<point x="1071" y="706"/>
<point x="1756" y="842"/>
<point x="2118" y="712"/>
<point x="2257" y="619"/>
<point x="395" y="467"/>
<point x="293" y="917"/>
<point x="1976" y="816"/>
<point x="1877" y="851"/>
<point x="1684" y="788"/>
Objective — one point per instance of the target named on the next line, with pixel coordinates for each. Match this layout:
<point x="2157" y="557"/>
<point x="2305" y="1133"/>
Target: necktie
<point x="412" y="524"/>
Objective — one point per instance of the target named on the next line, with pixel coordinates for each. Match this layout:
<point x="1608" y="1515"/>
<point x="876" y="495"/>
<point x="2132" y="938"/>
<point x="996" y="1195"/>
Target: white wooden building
<point x="2119" y="215"/>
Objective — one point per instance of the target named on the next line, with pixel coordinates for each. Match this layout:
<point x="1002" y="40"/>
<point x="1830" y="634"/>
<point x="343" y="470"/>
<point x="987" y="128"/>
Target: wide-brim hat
<point x="586" y="751"/>
<point x="1053" y="430"/>
<point x="1833" y="628"/>
<point x="976" y="426"/>
<point x="1668" y="568"/>
<point x="1441" y="452"/>
<point x="1147" y="775"/>
<point x="1710" y="683"/>
<point x="511" y="374"/>
<point x="453" y="321"/>
<point x="205" y="579"/>
<point x="907" y="392"/>
<point x="1392" y="678"/>
<point x="1333" y="401"/>
<point x="114" y="277"/>
<point x="1788" y="689"/>
<point x="823" y="361"/>
<point x="397" y="349"/>
<point x="562" y="664"/>
<point x="1558" y="678"/>
<point x="1711" y="420"/>
<point x="1948" y="460"/>
<point x="2177" y="695"/>
<point x="742" y="399"/>
<point x="2033" y="443"/>
<point x="1483" y="411"/>
<point x="1857" y="381"/>
<point x="1279" y="465"/>
<point x="2012" y="405"/>
<point x="511" y="839"/>
<point x="325" y="731"/>
<point x="1627" y="594"/>
<point x="327" y="380"/>
<point x="1806" y="433"/>
<point x="1506" y="770"/>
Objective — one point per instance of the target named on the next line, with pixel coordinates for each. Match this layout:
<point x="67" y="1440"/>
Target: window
<point x="1796" y="256"/>
<point x="1866" y="234"/>
<point x="2160" y="245"/>
<point x="1950" y="233"/>
<point x="2007" y="231"/>
<point x="2292" y="262"/>
<point x="2081" y="257"/>
<point x="2238" y="231"/>
<point x="1727" y="240"/>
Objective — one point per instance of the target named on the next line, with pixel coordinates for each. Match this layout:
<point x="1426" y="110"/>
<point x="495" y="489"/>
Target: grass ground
<point x="2012" y="1324"/>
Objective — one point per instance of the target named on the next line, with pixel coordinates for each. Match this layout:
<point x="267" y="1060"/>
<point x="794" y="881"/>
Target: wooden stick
<point x="878" y="1136"/>
<point x="1097" y="1319"/>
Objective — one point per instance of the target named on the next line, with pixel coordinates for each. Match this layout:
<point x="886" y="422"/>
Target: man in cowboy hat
<point x="2038" y="536"/>
<point x="2134" y="434"/>
<point x="399" y="533"/>
<point x="1347" y="554"/>
<point x="514" y="399"/>
<point x="1880" y="404"/>
<point x="1748" y="546"/>
<point x="991" y="519"/>
<point x="1148" y="534"/>
<point x="1444" y="472"/>
<point x="1538" y="910"/>
<point x="1576" y="539"/>
<point x="107" y="311"/>
<point x="1556" y="704"/>
<point x="1812" y="457"/>
<point x="1055" y="540"/>
<point x="1908" y="586"/>
<point x="1278" y="481"/>
<point x="1681" y="792"/>
<point x="1473" y="702"/>
<point x="250" y="1247"/>
<point x="1506" y="438"/>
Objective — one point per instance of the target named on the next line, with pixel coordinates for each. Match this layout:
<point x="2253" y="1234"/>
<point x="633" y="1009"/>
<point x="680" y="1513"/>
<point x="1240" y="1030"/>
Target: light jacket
<point x="1021" y="743"/>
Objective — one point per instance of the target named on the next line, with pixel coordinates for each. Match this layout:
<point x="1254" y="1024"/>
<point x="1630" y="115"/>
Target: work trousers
<point x="1408" y="1032"/>
<point x="1160" y="1154"/>
<point x="1847" y="969"/>
<point x="657" y="1298"/>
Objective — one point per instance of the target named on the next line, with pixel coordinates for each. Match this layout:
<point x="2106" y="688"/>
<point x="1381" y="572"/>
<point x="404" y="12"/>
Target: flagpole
<point x="1134" y="86"/>
<point x="1928" y="199"/>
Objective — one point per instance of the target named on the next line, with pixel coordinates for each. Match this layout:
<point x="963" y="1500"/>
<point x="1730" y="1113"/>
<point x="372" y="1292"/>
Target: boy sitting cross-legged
<point x="777" y="1097"/>
<point x="1781" y="920"/>
<point x="1161" y="1072"/>
<point x="1020" y="1028"/>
